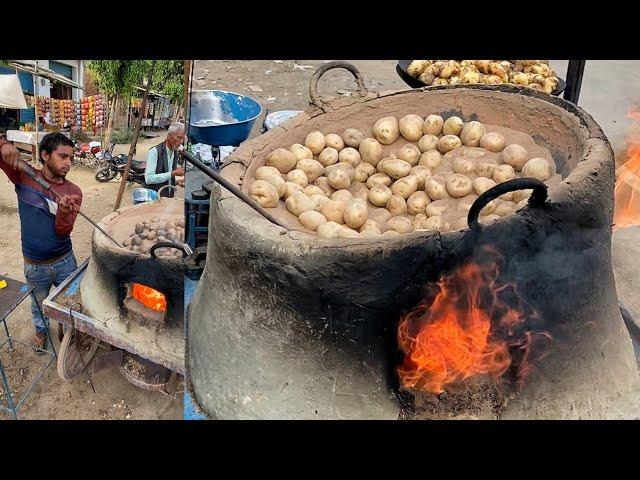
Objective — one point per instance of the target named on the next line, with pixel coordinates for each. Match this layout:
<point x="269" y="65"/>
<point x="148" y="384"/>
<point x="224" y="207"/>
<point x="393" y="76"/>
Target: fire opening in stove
<point x="145" y="305"/>
<point x="469" y="325"/>
<point x="149" y="297"/>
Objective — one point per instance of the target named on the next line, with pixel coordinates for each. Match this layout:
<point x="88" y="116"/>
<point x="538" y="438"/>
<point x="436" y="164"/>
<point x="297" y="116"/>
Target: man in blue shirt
<point x="162" y="161"/>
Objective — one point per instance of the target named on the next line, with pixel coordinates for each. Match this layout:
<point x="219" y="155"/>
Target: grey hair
<point x="176" y="127"/>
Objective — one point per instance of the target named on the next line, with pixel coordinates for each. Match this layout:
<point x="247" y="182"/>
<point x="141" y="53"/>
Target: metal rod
<point x="44" y="184"/>
<point x="229" y="186"/>
<point x="575" y="70"/>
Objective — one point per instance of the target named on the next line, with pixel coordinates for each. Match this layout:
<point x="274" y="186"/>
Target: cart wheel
<point x="70" y="365"/>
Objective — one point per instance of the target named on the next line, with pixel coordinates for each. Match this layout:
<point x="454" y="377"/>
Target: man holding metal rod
<point x="46" y="219"/>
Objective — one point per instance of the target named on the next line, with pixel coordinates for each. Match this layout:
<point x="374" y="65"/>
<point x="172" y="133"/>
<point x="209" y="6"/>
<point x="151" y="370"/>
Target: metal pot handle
<point x="162" y="189"/>
<point x="186" y="250"/>
<point x="537" y="198"/>
<point x="313" y="85"/>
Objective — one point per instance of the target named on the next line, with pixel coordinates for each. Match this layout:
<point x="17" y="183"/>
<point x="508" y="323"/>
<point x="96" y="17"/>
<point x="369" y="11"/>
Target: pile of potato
<point x="340" y="186"/>
<point x="149" y="232"/>
<point x="536" y="74"/>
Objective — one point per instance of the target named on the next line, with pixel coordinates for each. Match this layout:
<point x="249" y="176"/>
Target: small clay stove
<point x="139" y="295"/>
<point x="283" y="325"/>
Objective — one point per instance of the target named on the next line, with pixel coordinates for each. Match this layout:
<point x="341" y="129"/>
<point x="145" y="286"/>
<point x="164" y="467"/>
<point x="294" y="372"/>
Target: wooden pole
<point x="134" y="142"/>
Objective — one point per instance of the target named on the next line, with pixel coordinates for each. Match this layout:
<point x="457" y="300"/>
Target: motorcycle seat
<point x="138" y="166"/>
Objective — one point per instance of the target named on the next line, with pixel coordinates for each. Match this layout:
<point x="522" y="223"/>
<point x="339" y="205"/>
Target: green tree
<point x="168" y="79"/>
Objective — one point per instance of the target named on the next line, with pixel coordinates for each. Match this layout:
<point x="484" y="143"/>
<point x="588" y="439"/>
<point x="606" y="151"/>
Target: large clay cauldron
<point x="285" y="325"/>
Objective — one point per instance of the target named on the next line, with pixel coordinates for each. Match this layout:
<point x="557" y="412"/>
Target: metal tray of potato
<point x="413" y="82"/>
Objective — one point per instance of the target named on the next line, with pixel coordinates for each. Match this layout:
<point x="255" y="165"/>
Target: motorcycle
<point x="114" y="167"/>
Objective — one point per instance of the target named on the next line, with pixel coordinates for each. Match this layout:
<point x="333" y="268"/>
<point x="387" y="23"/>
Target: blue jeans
<point x="42" y="277"/>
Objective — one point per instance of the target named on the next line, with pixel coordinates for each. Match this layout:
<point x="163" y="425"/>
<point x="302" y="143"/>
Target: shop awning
<point x="29" y="66"/>
<point x="11" y="95"/>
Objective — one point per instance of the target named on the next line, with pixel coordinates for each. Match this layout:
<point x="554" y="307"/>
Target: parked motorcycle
<point x="115" y="165"/>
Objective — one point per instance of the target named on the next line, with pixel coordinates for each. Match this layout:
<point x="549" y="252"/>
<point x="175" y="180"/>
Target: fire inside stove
<point x="468" y="325"/>
<point x="149" y="297"/>
<point x="145" y="305"/>
<point x="627" y="189"/>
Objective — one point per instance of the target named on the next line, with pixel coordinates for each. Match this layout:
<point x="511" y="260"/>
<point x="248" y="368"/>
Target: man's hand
<point x="69" y="204"/>
<point x="10" y="155"/>
<point x="178" y="172"/>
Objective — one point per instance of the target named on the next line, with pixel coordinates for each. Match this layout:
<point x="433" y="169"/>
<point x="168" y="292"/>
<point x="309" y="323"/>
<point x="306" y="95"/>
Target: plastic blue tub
<point x="141" y="195"/>
<point x="221" y="118"/>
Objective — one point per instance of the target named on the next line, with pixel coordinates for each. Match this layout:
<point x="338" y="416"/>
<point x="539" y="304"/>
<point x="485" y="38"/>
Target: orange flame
<point x="149" y="297"/>
<point x="467" y="330"/>
<point x="627" y="189"/>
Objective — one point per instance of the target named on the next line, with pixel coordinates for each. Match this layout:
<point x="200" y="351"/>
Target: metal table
<point x="10" y="297"/>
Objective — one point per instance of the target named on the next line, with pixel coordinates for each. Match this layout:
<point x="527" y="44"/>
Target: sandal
<point x="39" y="343"/>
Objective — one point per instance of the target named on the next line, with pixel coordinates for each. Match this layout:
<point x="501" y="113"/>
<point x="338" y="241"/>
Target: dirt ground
<point x="115" y="398"/>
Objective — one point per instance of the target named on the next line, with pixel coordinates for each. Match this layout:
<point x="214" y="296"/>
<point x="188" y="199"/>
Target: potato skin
<point x="370" y="151"/>
<point x="386" y="130"/>
<point x="281" y="159"/>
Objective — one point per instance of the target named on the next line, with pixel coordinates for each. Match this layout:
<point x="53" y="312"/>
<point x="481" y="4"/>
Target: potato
<point x="342" y="196"/>
<point x="422" y="173"/>
<point x="482" y="184"/>
<point x="405" y="186"/>
<point x="488" y="219"/>
<point x="520" y="195"/>
<point x="350" y="156"/>
<point x="411" y="127"/>
<point x="492" y="141"/>
<point x="448" y="143"/>
<point x="396" y="205"/>
<point x="463" y="166"/>
<point x="370" y="224"/>
<point x="470" y="76"/>
<point x="380" y="166"/>
<point x="386" y="130"/>
<point x="522" y="203"/>
<point x="345" y="167"/>
<point x="484" y="169"/>
<point x="427" y="78"/>
<point x="333" y="140"/>
<point x="410" y="154"/>
<point x="538" y="168"/>
<point x="281" y="159"/>
<point x="312" y="168"/>
<point x="298" y="177"/>
<point x="490" y="207"/>
<point x="315" y="142"/>
<point x="399" y="224"/>
<point x="352" y="137"/>
<point x="432" y="125"/>
<point x="298" y="203"/>
<point x="265" y="172"/>
<point x="460" y="224"/>
<point x="471" y="133"/>
<point x="346" y="232"/>
<point x="427" y="142"/>
<point x="311" y="219"/>
<point x="437" y="208"/>
<point x="452" y="126"/>
<point x="459" y="185"/>
<point x="390" y="233"/>
<point x="371" y="232"/>
<point x="380" y="215"/>
<point x="370" y="151"/>
<point x="505" y="208"/>
<point x="318" y="201"/>
<point x="333" y="211"/>
<point x="364" y="171"/>
<point x="396" y="168"/>
<point x="514" y="155"/>
<point x="328" y="156"/>
<point x="356" y="213"/>
<point x="264" y="193"/>
<point x="300" y="151"/>
<point x="379" y="179"/>
<point x="338" y="179"/>
<point x="507" y="197"/>
<point x="329" y="230"/>
<point x="550" y="84"/>
<point x="502" y="173"/>
<point x="464" y="204"/>
<point x="417" y="203"/>
<point x="434" y="223"/>
<point x="379" y="195"/>
<point x="323" y="184"/>
<point x="419" y="222"/>
<point x="278" y="182"/>
<point x="313" y="190"/>
<point x="435" y="189"/>
<point x="519" y="78"/>
<point x="431" y="159"/>
<point x="416" y="67"/>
